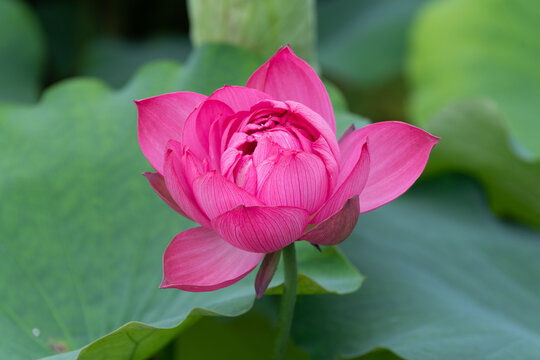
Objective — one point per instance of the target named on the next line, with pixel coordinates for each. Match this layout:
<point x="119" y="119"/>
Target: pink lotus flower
<point x="259" y="167"/>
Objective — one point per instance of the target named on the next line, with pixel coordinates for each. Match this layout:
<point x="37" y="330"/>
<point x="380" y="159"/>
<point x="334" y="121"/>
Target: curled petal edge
<point x="337" y="227"/>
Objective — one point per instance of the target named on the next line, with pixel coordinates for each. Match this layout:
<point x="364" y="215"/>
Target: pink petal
<point x="337" y="227"/>
<point x="178" y="186"/>
<point x="296" y="179"/>
<point x="199" y="260"/>
<point x="261" y="229"/>
<point x="197" y="127"/>
<point x="229" y="160"/>
<point x="158" y="184"/>
<point x="280" y="137"/>
<point x="217" y="195"/>
<point x="239" y="98"/>
<point x="398" y="151"/>
<point x="287" y="77"/>
<point x="162" y="118"/>
<point x="266" y="272"/>
<point x="321" y="148"/>
<point x="246" y="177"/>
<point x="348" y="131"/>
<point x="265" y="149"/>
<point x="302" y="116"/>
<point x="353" y="185"/>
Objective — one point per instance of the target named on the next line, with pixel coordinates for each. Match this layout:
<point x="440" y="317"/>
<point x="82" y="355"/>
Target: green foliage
<point x="262" y="26"/>
<point x="344" y="118"/>
<point x="213" y="66"/>
<point x="474" y="140"/>
<point x="466" y="49"/>
<point x="115" y="60"/>
<point x="363" y="42"/>
<point x="377" y="354"/>
<point x="82" y="233"/>
<point x="21" y="52"/>
<point x="250" y="336"/>
<point x="444" y="280"/>
<point x="333" y="273"/>
<point x="362" y="48"/>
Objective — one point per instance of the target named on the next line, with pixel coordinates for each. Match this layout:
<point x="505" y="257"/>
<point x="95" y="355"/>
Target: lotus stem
<point x="288" y="300"/>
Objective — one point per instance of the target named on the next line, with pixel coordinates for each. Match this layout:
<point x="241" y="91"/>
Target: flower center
<point x="248" y="147"/>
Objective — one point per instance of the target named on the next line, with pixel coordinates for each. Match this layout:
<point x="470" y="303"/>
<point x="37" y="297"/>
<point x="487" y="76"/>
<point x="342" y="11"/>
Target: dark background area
<point x="73" y="29"/>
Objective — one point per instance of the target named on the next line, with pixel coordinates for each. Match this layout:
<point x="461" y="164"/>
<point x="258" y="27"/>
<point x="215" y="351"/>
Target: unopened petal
<point x="197" y="127"/>
<point x="304" y="115"/>
<point x="287" y="77"/>
<point x="296" y="179"/>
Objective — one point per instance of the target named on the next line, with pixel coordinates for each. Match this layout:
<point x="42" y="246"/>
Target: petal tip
<point x="284" y="51"/>
<point x="288" y="48"/>
<point x="164" y="284"/>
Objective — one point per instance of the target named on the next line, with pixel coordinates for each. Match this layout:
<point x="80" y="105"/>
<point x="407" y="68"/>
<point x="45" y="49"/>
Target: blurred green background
<point x="449" y="271"/>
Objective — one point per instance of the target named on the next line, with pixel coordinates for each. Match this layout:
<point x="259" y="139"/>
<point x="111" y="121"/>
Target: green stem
<point x="288" y="299"/>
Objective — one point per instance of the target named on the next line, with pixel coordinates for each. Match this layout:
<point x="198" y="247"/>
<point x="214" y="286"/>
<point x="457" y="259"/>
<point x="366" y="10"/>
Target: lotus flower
<point x="259" y="167"/>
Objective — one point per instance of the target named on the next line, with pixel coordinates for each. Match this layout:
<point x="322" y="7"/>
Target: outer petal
<point x="199" y="260"/>
<point x="287" y="77"/>
<point x="266" y="272"/>
<point x="337" y="227"/>
<point x="353" y="185"/>
<point x="398" y="151"/>
<point x="158" y="184"/>
<point x="217" y="195"/>
<point x="261" y="229"/>
<point x="162" y="118"/>
<point x="178" y="187"/>
<point x="296" y="179"/>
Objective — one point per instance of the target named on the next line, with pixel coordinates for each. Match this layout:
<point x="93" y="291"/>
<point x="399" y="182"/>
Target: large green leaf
<point x="325" y="268"/>
<point x="474" y="140"/>
<point x="247" y="337"/>
<point x="262" y="26"/>
<point x="82" y="234"/>
<point x="465" y="49"/>
<point x="445" y="280"/>
<point x="21" y="52"/>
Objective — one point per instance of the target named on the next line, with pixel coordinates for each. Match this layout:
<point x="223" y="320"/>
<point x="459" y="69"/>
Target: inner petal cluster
<point x="274" y="154"/>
